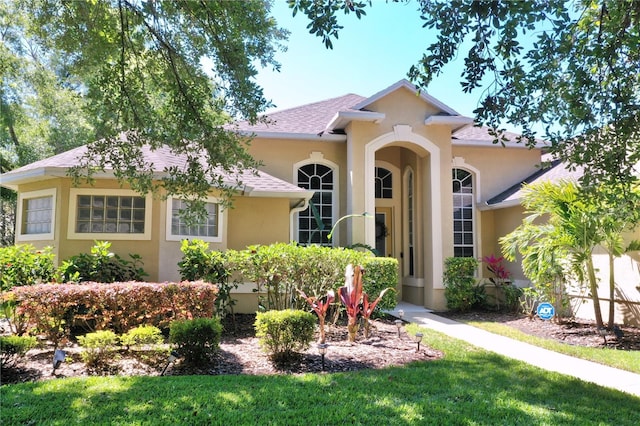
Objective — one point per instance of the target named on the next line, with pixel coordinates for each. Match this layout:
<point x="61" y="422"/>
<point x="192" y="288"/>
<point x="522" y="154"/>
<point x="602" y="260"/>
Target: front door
<point x="384" y="245"/>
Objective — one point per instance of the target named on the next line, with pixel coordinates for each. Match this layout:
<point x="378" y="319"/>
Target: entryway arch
<point x="403" y="135"/>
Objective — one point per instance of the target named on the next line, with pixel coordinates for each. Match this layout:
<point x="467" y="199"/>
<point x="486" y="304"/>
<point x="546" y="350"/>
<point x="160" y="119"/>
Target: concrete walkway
<point x="543" y="358"/>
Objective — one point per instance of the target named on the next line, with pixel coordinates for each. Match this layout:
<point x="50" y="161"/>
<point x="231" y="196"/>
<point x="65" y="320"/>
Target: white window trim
<point x="318" y="158"/>
<point x="106" y="236"/>
<point x="169" y="236"/>
<point x="36" y="194"/>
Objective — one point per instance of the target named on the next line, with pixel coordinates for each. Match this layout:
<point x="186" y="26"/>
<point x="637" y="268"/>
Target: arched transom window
<point x="463" y="233"/>
<point x="314" y="223"/>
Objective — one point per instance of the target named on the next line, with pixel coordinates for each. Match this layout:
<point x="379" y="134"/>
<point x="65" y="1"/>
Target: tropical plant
<point x="368" y="308"/>
<point x="351" y="298"/>
<point x="320" y="307"/>
<point x="496" y="267"/>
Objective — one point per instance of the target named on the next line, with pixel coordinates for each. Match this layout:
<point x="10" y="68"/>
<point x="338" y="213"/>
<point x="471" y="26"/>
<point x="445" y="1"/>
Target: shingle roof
<point x="306" y="119"/>
<point x="162" y="158"/>
<point x="555" y="172"/>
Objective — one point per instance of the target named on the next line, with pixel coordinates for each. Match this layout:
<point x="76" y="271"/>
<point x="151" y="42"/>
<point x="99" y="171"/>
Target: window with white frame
<point x="463" y="232"/>
<point x="208" y="229"/>
<point x="315" y="222"/>
<point x="36" y="214"/>
<point x="117" y="214"/>
<point x="384" y="183"/>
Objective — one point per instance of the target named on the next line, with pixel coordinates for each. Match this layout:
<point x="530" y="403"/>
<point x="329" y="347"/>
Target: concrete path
<point x="543" y="358"/>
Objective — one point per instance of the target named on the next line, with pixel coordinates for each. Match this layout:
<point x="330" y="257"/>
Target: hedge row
<point x="55" y="308"/>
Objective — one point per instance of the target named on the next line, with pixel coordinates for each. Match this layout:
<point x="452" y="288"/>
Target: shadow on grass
<point x="467" y="386"/>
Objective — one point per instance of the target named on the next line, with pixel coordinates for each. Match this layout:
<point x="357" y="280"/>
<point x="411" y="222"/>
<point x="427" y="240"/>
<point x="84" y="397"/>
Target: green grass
<point x="468" y="386"/>
<point x="624" y="360"/>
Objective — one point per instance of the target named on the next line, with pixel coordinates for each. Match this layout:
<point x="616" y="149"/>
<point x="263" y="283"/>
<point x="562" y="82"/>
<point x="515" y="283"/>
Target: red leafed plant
<point x="368" y="308"/>
<point x="320" y="307"/>
<point x="351" y="298"/>
<point x="495" y="266"/>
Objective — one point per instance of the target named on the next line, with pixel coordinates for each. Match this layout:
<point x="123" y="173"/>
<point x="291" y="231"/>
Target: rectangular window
<point x="36" y="215"/>
<point x="116" y="214"/>
<point x="110" y="214"/>
<point x="208" y="230"/>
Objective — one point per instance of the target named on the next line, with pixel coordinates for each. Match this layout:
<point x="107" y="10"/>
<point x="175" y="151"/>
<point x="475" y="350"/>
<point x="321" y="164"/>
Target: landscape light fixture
<point x="417" y="338"/>
<point x="399" y="325"/>
<point x="401" y="314"/>
<point x="58" y="358"/>
<point x="173" y="356"/>
<point x="322" y="350"/>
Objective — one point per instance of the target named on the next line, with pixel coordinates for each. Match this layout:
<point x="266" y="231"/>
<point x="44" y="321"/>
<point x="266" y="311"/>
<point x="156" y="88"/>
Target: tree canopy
<point x="160" y="72"/>
<point x="571" y="68"/>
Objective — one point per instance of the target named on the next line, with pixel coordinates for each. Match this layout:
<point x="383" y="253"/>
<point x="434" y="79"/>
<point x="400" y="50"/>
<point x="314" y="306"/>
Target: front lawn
<point x="468" y="386"/>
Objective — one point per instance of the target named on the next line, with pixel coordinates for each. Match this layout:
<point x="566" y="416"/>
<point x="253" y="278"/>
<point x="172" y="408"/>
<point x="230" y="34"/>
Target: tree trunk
<point x="593" y="285"/>
<point x="612" y="287"/>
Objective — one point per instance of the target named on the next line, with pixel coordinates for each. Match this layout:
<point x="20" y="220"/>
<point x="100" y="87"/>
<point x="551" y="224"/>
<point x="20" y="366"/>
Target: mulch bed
<point x="240" y="353"/>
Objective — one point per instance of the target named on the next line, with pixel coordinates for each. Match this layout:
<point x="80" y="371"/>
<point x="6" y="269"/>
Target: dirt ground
<point x="240" y="352"/>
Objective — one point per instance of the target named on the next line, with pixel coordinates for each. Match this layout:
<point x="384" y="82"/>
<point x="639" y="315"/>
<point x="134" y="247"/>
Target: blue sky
<point x="371" y="54"/>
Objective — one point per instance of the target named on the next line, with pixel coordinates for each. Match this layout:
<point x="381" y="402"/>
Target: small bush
<point x="143" y="335"/>
<point x="14" y="347"/>
<point x="196" y="340"/>
<point x="98" y="347"/>
<point x="283" y="333"/>
<point x="102" y="266"/>
<point x="461" y="289"/>
<point x="24" y="265"/>
<point x="381" y="273"/>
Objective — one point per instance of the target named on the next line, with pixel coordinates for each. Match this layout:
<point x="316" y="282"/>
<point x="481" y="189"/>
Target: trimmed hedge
<point x="196" y="340"/>
<point x="54" y="308"/>
<point x="283" y="333"/>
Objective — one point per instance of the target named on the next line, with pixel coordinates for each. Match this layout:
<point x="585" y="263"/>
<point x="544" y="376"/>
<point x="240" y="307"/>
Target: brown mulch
<point x="240" y="353"/>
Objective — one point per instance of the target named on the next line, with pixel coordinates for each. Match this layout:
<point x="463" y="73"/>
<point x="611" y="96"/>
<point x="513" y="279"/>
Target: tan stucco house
<point x="436" y="185"/>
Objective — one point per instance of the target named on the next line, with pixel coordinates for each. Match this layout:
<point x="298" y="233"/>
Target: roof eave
<point x="342" y="118"/>
<point x="251" y="192"/>
<point x="454" y="121"/>
<point x="500" y="205"/>
<point x="488" y="143"/>
<point x="322" y="136"/>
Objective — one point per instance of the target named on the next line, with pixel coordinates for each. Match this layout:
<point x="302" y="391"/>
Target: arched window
<point x="463" y="233"/>
<point x="314" y="223"/>
<point x="384" y="183"/>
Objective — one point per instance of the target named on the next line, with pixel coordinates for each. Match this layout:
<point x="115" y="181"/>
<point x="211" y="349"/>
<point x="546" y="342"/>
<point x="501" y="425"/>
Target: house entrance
<point x="384" y="245"/>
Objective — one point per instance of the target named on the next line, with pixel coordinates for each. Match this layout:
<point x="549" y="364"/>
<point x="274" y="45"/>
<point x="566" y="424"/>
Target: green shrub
<point x="200" y="263"/>
<point x="102" y="266"/>
<point x="381" y="273"/>
<point x="282" y="333"/>
<point x="24" y="265"/>
<point x="143" y="335"/>
<point x="14" y="347"/>
<point x="99" y="347"/>
<point x="461" y="289"/>
<point x="280" y="269"/>
<point x="196" y="340"/>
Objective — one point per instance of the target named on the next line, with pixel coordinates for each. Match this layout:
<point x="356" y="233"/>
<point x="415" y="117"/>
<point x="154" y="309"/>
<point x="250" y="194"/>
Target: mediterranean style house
<point x="418" y="181"/>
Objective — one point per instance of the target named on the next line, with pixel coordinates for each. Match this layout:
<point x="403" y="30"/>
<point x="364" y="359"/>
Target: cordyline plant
<point x="320" y="307"/>
<point x="356" y="301"/>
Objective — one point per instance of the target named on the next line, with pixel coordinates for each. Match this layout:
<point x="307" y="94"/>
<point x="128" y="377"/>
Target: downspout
<point x="302" y="205"/>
